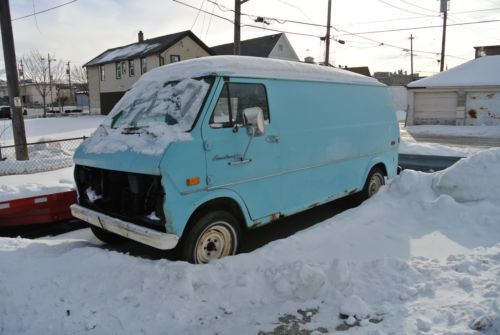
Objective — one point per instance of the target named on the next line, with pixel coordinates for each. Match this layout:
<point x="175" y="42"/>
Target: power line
<point x="422" y="27"/>
<point x="379" y="43"/>
<point x="417" y="6"/>
<point x="197" y="15"/>
<point x="45" y="10"/>
<point x="402" y="9"/>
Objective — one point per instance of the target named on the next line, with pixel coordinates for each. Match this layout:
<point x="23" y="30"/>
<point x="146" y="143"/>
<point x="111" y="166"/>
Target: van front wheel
<point x="373" y="183"/>
<point x="216" y="234"/>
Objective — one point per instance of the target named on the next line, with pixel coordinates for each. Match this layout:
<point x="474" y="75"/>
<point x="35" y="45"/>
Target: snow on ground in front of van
<point x="421" y="257"/>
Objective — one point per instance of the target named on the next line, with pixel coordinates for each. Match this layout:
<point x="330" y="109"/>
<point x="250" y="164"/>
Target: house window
<point x="162" y="60"/>
<point x="234" y="99"/>
<point x="175" y="58"/>
<point x="131" y="72"/>
<point x="144" y="65"/>
<point x="124" y="68"/>
<point x="118" y="70"/>
<point x="101" y="70"/>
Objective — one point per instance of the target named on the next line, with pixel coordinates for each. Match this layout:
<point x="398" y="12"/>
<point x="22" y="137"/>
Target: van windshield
<point x="151" y="103"/>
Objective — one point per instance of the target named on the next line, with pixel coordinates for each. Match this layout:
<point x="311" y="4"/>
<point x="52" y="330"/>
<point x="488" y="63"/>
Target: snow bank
<point x="411" y="259"/>
<point x="24" y="186"/>
<point x="471" y="179"/>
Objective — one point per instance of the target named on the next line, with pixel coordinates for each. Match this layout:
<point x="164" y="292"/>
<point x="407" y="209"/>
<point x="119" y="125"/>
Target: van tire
<point x="213" y="235"/>
<point x="106" y="236"/>
<point x="373" y="182"/>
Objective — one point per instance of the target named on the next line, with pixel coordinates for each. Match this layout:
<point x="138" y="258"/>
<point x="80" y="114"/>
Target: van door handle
<point x="273" y="139"/>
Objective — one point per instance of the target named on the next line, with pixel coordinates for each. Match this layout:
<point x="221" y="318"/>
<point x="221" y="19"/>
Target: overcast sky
<point x="81" y="30"/>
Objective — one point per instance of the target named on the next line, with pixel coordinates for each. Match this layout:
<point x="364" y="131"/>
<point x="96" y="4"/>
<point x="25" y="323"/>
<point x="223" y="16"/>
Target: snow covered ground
<point x="52" y="128"/>
<point x="461" y="131"/>
<point x="421" y="257"/>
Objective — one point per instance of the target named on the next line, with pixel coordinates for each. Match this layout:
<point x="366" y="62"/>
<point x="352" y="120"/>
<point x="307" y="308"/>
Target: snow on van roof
<point x="483" y="71"/>
<point x="255" y="67"/>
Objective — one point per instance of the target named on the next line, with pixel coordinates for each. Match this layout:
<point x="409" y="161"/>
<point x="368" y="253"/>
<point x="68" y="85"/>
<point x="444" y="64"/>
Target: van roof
<point x="255" y="67"/>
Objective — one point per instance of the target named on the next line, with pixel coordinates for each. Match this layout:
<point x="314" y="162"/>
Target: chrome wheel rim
<point x="376" y="181"/>
<point x="216" y="241"/>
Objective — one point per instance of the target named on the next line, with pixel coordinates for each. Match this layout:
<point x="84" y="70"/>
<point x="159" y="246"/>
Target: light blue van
<point x="199" y="151"/>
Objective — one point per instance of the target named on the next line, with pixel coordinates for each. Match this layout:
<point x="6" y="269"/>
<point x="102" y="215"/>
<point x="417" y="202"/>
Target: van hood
<point x="137" y="150"/>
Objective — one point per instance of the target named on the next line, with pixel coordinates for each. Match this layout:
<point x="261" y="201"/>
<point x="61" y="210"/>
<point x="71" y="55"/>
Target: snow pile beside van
<point x="419" y="257"/>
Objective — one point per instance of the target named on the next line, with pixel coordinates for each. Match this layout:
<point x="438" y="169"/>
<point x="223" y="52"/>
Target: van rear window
<point x="234" y="98"/>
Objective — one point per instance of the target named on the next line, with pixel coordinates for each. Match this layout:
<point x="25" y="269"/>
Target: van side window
<point x="235" y="98"/>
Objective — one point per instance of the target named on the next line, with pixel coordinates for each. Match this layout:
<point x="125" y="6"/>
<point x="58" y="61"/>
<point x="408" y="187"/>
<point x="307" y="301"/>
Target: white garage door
<point x="483" y="108"/>
<point x="435" y="108"/>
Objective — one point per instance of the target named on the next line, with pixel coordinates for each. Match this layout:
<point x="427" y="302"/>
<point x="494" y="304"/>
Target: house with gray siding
<point x="112" y="73"/>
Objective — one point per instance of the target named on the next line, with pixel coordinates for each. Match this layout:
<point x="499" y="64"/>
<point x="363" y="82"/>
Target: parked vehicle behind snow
<point x="199" y="151"/>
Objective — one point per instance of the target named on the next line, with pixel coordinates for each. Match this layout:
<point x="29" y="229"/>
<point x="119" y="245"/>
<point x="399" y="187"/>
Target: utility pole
<point x="411" y="55"/>
<point x="13" y="82"/>
<point x="68" y="71"/>
<point x="444" y="10"/>
<point x="237" y="26"/>
<point x="327" y="39"/>
<point x="50" y="80"/>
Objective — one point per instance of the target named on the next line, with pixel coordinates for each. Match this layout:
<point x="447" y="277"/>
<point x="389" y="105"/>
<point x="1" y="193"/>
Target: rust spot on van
<point x="274" y="217"/>
<point x="472" y="113"/>
<point x="490" y="96"/>
<point x="473" y="97"/>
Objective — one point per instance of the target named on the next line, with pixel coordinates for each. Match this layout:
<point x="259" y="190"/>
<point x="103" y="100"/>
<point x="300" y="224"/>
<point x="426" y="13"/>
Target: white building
<point x="468" y="94"/>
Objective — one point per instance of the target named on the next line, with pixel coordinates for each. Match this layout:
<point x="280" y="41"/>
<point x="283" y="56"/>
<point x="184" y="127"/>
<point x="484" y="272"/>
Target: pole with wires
<point x="444" y="10"/>
<point x="327" y="39"/>
<point x="237" y="26"/>
<point x="411" y="56"/>
<point x="13" y="82"/>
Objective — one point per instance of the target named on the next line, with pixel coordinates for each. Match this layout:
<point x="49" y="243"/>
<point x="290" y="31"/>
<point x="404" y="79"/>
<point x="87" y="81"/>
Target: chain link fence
<point x="44" y="155"/>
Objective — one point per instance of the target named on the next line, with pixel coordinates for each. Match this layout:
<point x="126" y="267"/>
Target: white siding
<point x="283" y="50"/>
<point x="483" y="108"/>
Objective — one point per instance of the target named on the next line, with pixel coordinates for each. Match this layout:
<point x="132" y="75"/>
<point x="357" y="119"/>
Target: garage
<point x="468" y="94"/>
<point x="435" y="107"/>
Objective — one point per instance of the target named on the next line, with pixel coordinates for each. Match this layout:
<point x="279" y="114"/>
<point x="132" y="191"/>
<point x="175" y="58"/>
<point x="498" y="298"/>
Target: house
<point x="112" y="73"/>
<point x="30" y="95"/>
<point x="363" y="70"/>
<point x="272" y="46"/>
<point x="490" y="50"/>
<point x="399" y="78"/>
<point x="468" y="94"/>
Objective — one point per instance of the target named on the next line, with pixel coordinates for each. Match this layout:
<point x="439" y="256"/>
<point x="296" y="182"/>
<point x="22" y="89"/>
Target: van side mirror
<point x="254" y="120"/>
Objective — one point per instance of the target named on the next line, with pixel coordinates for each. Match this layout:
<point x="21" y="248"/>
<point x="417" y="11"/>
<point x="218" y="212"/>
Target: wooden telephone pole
<point x="444" y="10"/>
<point x="327" y="39"/>
<point x="411" y="55"/>
<point x="237" y="26"/>
<point x="9" y="54"/>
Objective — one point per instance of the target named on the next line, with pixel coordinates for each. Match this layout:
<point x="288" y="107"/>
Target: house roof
<point x="254" y="67"/>
<point x="145" y="48"/>
<point x="364" y="70"/>
<point x="483" y="71"/>
<point x="257" y="47"/>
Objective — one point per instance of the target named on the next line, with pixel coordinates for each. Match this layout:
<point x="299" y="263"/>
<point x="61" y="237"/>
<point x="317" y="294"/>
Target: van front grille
<point x="132" y="197"/>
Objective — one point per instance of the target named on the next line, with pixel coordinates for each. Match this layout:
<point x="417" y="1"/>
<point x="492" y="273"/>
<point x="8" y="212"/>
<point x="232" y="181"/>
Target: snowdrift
<point x="422" y="256"/>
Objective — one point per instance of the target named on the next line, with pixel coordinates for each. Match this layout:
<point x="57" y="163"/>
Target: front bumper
<point x="129" y="230"/>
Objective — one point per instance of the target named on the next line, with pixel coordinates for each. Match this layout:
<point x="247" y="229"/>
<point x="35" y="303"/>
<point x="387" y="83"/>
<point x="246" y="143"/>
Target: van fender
<point x="182" y="218"/>
<point x="374" y="161"/>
